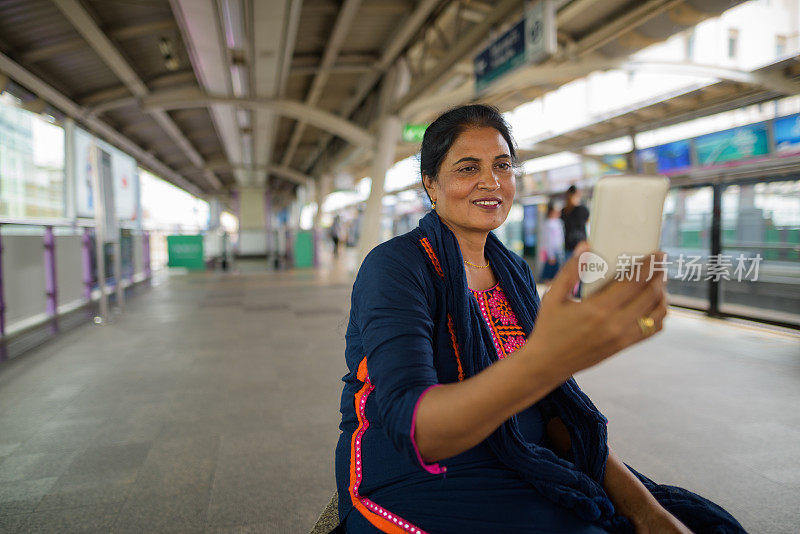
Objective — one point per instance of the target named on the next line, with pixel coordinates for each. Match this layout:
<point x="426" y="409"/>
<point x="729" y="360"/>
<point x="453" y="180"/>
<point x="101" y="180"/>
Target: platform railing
<point x="46" y="270"/>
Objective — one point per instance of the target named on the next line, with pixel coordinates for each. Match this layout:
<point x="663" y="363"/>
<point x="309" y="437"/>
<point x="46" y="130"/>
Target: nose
<point x="489" y="181"/>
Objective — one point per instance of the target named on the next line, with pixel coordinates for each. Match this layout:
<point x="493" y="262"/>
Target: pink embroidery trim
<point x="399" y="521"/>
<point x="485" y="314"/>
<point x="435" y="469"/>
<point x="501" y="309"/>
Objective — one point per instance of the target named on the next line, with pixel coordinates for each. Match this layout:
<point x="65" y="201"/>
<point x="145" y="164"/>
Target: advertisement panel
<point x="670" y="157"/>
<point x="122" y="173"/>
<point x="787" y="134"/>
<point x="732" y="145"/>
<point x="84" y="172"/>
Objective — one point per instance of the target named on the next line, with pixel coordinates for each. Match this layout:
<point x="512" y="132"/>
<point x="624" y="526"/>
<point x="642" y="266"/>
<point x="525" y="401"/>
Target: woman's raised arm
<point x="569" y="336"/>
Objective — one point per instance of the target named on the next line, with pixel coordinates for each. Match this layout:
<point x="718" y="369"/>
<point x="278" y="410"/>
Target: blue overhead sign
<point x="531" y="40"/>
<point x="503" y="55"/>
<point x="787" y="134"/>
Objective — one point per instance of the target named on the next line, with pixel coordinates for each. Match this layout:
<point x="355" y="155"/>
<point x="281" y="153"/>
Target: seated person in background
<point x="458" y="416"/>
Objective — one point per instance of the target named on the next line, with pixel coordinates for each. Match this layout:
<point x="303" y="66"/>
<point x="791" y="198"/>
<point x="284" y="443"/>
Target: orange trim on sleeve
<point x="381" y="518"/>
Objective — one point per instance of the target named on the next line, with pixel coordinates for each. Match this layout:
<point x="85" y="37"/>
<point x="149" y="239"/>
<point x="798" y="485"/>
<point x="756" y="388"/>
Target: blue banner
<point x="731" y="145"/>
<point x="787" y="134"/>
<point x="674" y="156"/>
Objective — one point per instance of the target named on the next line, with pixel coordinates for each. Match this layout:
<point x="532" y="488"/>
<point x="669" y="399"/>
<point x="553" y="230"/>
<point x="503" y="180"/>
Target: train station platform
<point x="211" y="405"/>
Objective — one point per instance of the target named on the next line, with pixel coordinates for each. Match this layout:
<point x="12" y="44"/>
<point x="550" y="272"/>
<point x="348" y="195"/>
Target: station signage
<point x="529" y="41"/>
<point x="412" y="133"/>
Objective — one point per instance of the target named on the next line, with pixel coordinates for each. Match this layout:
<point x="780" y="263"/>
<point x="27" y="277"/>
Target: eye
<point x="504" y="165"/>
<point x="468" y="168"/>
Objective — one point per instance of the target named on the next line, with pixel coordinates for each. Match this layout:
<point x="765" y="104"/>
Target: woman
<point x="456" y="415"/>
<point x="553" y="243"/>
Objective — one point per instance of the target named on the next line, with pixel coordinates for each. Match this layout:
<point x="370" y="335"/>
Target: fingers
<point x="619" y="292"/>
<point x="565" y="280"/>
<point x="650" y="303"/>
<point x="644" y="301"/>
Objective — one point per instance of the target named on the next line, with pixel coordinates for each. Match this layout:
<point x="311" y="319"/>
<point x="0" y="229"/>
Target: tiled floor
<point x="211" y="405"/>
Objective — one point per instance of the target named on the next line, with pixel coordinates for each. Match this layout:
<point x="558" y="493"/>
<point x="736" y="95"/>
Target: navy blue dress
<point x="398" y="346"/>
<point x="413" y="325"/>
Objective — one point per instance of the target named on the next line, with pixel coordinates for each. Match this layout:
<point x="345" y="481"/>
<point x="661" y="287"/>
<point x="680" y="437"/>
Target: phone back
<point x="625" y="220"/>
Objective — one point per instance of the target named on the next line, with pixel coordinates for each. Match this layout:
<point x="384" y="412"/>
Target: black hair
<point x="571" y="190"/>
<point x="443" y="132"/>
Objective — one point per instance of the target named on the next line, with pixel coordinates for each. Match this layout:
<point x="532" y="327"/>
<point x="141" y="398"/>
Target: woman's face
<point x="476" y="185"/>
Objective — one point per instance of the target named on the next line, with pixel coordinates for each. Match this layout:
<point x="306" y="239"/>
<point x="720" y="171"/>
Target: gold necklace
<point x="476" y="266"/>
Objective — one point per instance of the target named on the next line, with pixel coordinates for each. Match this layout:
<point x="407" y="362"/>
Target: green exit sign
<point x="412" y="133"/>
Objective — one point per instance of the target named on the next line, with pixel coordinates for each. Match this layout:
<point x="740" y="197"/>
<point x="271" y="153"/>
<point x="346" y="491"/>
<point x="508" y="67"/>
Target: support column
<point x="322" y="188"/>
<point x="148" y="270"/>
<point x="252" y="222"/>
<point x="389" y="132"/>
<point x="395" y="86"/>
<point x="268" y="221"/>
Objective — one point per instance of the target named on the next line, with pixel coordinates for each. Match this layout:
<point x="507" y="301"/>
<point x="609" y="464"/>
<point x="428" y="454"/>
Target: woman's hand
<point x="572" y="336"/>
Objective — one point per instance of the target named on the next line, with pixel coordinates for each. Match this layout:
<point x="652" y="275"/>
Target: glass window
<point x="690" y="46"/>
<point x="733" y="43"/>
<point x="686" y="238"/>
<point x="31" y="163"/>
<point x="761" y="245"/>
<point x="780" y="45"/>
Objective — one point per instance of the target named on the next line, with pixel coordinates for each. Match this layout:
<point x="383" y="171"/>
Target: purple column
<point x="87" y="264"/>
<point x="50" y="281"/>
<point x="146" y="254"/>
<point x="2" y="301"/>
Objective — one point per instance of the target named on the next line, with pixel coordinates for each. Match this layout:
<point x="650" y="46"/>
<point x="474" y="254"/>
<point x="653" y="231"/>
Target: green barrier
<point x="185" y="251"/>
<point x="303" y="249"/>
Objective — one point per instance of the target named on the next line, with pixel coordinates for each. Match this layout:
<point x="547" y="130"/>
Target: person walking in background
<point x="575" y="215"/>
<point x="336" y="231"/>
<point x="553" y="245"/>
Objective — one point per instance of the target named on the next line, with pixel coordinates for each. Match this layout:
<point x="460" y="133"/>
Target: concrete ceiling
<point x="219" y="94"/>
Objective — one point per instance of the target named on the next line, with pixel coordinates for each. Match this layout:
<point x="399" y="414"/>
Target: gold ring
<point x="647" y="324"/>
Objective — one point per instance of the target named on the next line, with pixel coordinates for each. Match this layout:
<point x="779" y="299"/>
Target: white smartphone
<point x="624" y="222"/>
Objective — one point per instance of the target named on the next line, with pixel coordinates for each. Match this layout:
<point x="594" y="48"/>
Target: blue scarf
<point x="576" y="485"/>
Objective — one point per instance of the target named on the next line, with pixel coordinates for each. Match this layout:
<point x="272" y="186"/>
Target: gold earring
<point x="433" y="205"/>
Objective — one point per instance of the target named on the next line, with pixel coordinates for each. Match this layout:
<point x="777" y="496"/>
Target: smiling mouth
<point x="488" y="203"/>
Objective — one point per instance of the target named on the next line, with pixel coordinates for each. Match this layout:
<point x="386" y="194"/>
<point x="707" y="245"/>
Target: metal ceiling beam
<point x="184" y="99"/>
<point x="102" y="45"/>
<point x="80" y="114"/>
<point x="408" y="29"/>
<point x="268" y="28"/>
<point x="635" y="17"/>
<point x="773" y="81"/>
<point x="459" y="50"/>
<point x="290" y="175"/>
<point x="199" y="25"/>
<point x="341" y="68"/>
<point x="48" y="52"/>
<point x="341" y="28"/>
